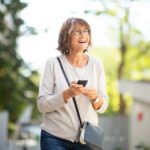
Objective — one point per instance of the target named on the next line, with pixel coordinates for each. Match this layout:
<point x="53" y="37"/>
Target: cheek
<point x="73" y="40"/>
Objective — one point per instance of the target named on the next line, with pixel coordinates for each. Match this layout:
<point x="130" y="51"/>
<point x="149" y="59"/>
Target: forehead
<point x="80" y="26"/>
<point x="76" y="24"/>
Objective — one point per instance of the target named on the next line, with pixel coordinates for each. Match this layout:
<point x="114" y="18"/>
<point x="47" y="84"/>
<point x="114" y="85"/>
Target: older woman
<point x="60" y="124"/>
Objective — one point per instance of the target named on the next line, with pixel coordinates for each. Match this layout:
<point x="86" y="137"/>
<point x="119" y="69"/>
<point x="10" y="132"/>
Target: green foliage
<point x="143" y="146"/>
<point x="118" y="148"/>
<point x="130" y="60"/>
<point x="138" y="62"/>
<point x="16" y="89"/>
<point x="110" y="62"/>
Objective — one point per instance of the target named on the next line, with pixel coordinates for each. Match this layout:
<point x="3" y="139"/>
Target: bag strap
<point x="74" y="99"/>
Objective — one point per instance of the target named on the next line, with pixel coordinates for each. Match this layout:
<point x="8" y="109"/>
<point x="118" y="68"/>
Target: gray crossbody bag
<point x="89" y="133"/>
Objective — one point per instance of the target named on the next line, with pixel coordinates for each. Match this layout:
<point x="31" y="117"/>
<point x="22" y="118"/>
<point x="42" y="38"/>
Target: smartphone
<point x="82" y="82"/>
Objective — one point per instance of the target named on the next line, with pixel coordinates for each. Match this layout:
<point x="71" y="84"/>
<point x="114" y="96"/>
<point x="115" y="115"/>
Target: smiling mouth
<point x="82" y="42"/>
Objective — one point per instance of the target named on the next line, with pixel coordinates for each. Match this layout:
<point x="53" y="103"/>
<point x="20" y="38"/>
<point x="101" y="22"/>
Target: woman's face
<point x="79" y="39"/>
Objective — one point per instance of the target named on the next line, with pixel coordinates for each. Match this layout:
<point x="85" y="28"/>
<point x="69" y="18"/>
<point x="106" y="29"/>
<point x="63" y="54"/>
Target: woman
<point x="60" y="121"/>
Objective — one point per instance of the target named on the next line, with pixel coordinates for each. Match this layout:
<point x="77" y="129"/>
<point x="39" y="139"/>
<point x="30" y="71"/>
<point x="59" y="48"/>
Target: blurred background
<point x="121" y="39"/>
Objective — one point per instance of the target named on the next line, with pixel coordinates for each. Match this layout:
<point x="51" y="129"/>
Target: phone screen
<point x="82" y="82"/>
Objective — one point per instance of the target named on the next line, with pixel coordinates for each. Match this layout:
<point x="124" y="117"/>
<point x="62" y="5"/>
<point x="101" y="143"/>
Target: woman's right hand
<point x="74" y="90"/>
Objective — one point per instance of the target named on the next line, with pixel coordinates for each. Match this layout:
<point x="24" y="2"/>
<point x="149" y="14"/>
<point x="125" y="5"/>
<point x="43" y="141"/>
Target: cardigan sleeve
<point x="48" y="100"/>
<point x="102" y="88"/>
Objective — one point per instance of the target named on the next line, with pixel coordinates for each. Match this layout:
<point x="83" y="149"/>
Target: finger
<point x="90" y="90"/>
<point x="75" y="85"/>
<point x="78" y="85"/>
<point x="83" y="89"/>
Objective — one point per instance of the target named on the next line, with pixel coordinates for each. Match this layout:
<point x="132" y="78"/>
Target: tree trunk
<point x="123" y="49"/>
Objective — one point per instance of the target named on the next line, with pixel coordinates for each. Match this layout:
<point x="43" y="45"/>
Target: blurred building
<point x="26" y="136"/>
<point x="139" y="121"/>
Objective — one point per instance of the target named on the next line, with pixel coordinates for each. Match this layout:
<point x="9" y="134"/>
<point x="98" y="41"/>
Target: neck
<point x="78" y="59"/>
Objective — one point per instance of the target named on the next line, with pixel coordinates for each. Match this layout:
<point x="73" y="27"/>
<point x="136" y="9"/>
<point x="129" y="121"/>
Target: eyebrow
<point x="80" y="29"/>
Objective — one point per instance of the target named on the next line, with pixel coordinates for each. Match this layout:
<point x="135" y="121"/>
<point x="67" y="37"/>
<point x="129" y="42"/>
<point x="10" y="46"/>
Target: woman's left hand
<point x="91" y="93"/>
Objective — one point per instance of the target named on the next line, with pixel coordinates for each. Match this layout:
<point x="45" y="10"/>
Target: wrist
<point x="67" y="94"/>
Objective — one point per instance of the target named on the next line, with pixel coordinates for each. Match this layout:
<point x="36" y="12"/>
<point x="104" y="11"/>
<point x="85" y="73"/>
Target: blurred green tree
<point x="133" y="50"/>
<point x="18" y="83"/>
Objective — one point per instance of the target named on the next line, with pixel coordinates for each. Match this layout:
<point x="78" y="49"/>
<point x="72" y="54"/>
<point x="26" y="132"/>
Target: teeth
<point x="82" y="41"/>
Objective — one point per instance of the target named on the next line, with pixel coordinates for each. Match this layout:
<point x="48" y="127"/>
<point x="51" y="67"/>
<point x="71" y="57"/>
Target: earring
<point x="66" y="51"/>
<point x="86" y="50"/>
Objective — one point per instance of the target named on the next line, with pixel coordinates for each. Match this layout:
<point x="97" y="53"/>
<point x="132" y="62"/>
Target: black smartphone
<point x="82" y="82"/>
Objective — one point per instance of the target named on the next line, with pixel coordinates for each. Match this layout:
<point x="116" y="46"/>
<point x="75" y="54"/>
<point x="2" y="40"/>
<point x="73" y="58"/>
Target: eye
<point x="85" y="32"/>
<point x="77" y="32"/>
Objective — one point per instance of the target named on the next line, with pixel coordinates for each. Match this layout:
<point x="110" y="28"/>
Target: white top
<point x="60" y="118"/>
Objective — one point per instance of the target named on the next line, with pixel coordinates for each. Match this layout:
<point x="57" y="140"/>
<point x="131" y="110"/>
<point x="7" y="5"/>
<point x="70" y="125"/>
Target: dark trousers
<point x="51" y="142"/>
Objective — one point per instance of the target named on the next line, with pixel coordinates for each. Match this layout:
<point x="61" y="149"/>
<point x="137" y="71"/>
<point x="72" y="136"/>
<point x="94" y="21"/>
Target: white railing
<point x="3" y="129"/>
